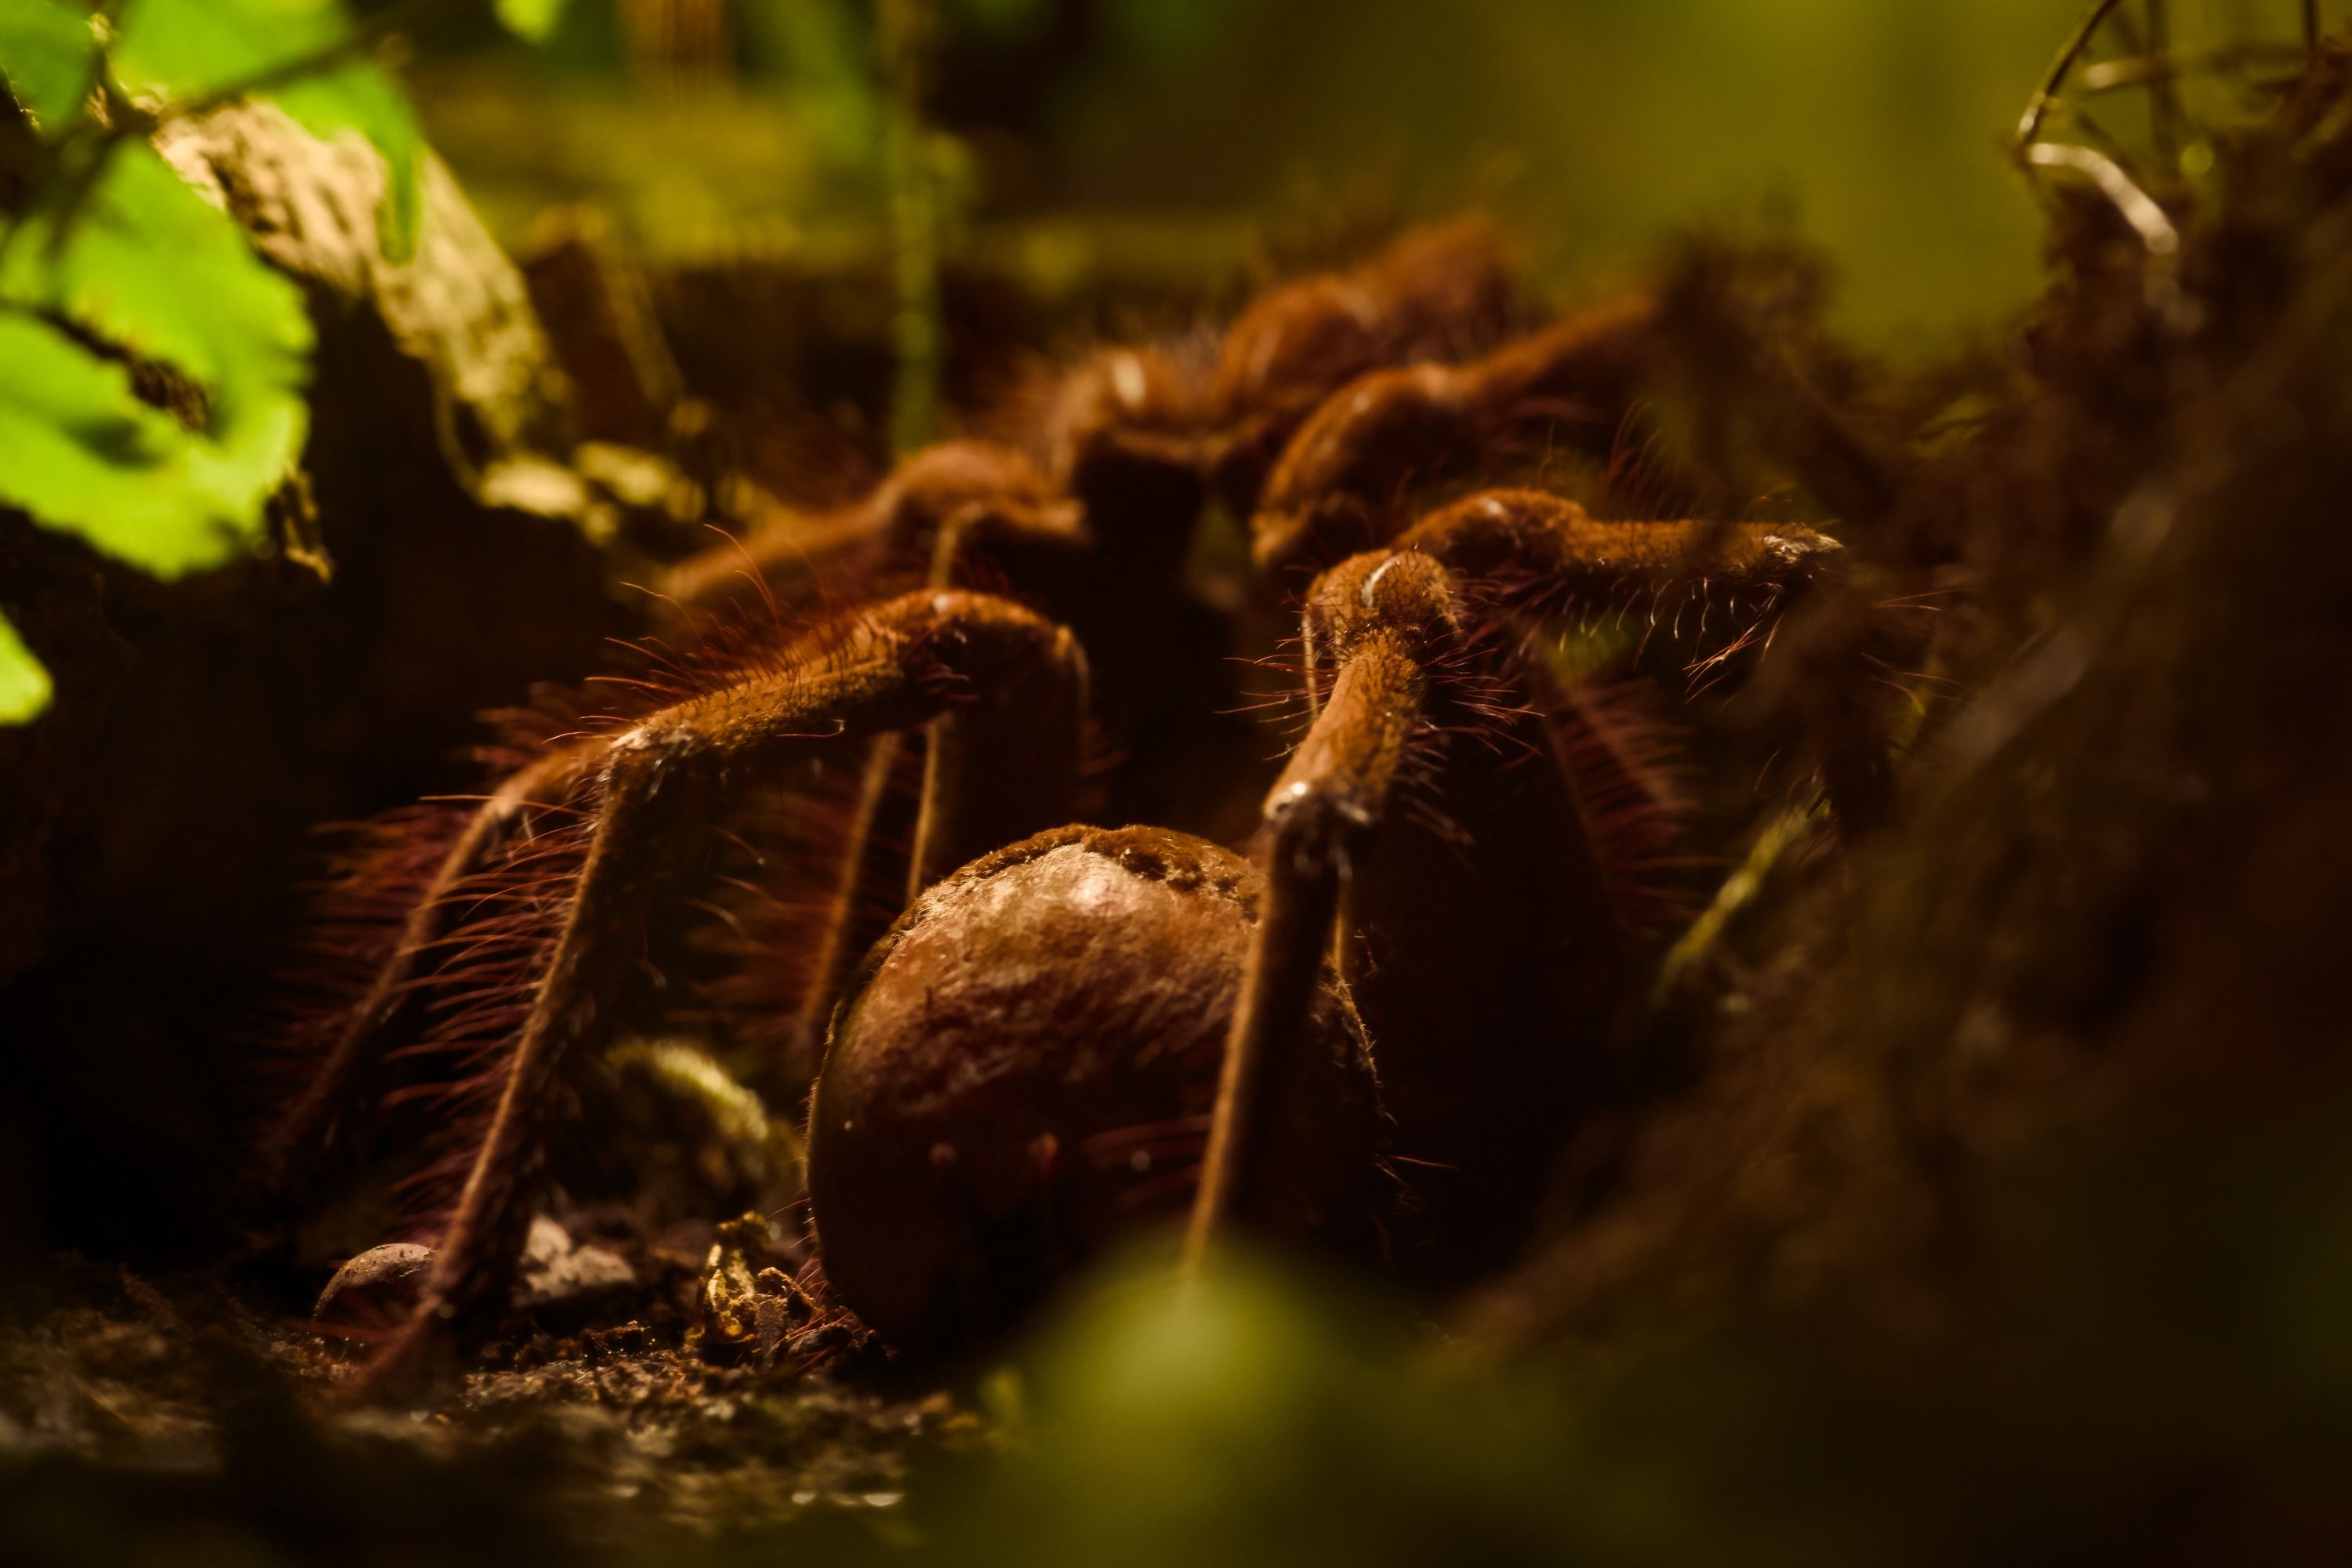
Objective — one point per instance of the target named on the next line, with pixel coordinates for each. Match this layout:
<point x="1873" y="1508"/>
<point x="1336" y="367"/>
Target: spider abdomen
<point x="1025" y="1068"/>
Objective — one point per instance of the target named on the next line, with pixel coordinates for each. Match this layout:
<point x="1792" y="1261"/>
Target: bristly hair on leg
<point x="411" y="976"/>
<point x="1625" y="769"/>
<point x="428" y="935"/>
<point x="528" y="1002"/>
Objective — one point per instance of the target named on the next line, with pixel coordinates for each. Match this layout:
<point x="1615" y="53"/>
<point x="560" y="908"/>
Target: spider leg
<point x="1590" y="360"/>
<point x="905" y="662"/>
<point x="1334" y="792"/>
<point x="1438" y="293"/>
<point x="1542" y="553"/>
<point x="841" y="937"/>
<point x="898" y="528"/>
<point x="1334" y="488"/>
<point x="1426" y="825"/>
<point x="839" y="934"/>
<point x="1511" y="910"/>
<point x="329" y="1113"/>
<point x="792" y="556"/>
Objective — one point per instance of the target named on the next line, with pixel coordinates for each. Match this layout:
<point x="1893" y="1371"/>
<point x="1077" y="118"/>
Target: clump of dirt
<point x="2045" y="1073"/>
<point x="175" y="1393"/>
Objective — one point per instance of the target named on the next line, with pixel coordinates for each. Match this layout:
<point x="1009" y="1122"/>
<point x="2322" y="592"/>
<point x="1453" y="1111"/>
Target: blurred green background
<point x="1176" y="129"/>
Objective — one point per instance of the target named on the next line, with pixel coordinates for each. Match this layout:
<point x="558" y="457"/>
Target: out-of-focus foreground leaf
<point x="149" y="265"/>
<point x="23" y="684"/>
<point x="184" y="49"/>
<point x="532" y="19"/>
<point x="45" y="48"/>
<point x="1258" y="1415"/>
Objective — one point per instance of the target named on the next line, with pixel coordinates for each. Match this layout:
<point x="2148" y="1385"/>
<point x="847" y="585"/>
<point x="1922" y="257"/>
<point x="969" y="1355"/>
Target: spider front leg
<point x="1321" y="812"/>
<point x="1001" y="670"/>
<point x="1542" y="555"/>
<point x="1436" y="825"/>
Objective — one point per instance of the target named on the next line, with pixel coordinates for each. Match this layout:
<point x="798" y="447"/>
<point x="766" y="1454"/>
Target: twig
<point x="2163" y="87"/>
<point x="2138" y="208"/>
<point x="1738" y="891"/>
<point x="2139" y="71"/>
<point x="2030" y="126"/>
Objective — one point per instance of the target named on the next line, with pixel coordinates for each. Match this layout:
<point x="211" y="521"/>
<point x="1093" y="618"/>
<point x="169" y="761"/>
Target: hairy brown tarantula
<point x="1371" y="1032"/>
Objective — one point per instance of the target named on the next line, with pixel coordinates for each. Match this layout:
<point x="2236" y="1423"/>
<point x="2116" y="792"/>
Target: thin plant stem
<point x="901" y="30"/>
<point x="2029" y="125"/>
<point x="2164" y="87"/>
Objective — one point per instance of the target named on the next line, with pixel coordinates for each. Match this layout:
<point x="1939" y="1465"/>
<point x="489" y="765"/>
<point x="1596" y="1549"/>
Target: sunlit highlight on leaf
<point x="44" y="50"/>
<point x="87" y="457"/>
<point x="23" y="684"/>
<point x="531" y="19"/>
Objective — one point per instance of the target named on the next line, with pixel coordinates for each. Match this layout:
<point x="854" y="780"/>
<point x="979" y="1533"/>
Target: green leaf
<point x="23" y="684"/>
<point x="152" y="268"/>
<point x="184" y="49"/>
<point x="149" y="264"/>
<point x="531" y="19"/>
<point x="174" y="50"/>
<point x="85" y="456"/>
<point x="44" y="50"/>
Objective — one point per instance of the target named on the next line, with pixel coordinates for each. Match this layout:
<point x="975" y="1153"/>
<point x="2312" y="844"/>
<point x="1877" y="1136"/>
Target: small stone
<point x="744" y="1302"/>
<point x="378" y="1286"/>
<point x="554" y="1269"/>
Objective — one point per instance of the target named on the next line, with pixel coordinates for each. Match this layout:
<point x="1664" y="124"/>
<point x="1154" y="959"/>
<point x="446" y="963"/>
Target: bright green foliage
<point x="531" y="19"/>
<point x="87" y="457"/>
<point x="115" y="261"/>
<point x="45" y="53"/>
<point x="151" y="266"/>
<point x="148" y="264"/>
<point x="23" y="684"/>
<point x="1253" y="1416"/>
<point x="181" y="49"/>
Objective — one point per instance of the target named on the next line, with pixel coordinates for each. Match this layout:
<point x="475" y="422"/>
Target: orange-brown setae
<point x="1073" y="1035"/>
<point x="1480" y="937"/>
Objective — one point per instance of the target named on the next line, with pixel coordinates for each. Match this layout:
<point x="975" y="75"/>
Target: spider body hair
<point x="1462" y="861"/>
<point x="1443" y="293"/>
<point x="1344" y="478"/>
<point x="646" y="797"/>
<point x="889" y="539"/>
